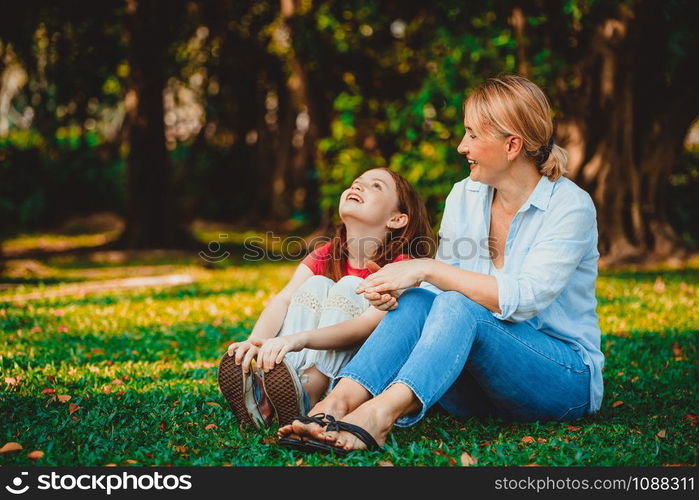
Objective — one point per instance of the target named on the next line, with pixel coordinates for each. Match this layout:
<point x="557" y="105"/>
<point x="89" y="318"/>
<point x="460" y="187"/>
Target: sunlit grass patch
<point x="129" y="377"/>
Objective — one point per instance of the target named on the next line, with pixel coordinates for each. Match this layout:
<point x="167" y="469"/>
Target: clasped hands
<point x="383" y="287"/>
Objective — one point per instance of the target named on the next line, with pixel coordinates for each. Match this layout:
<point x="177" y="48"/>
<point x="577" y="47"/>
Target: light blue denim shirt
<point x="548" y="277"/>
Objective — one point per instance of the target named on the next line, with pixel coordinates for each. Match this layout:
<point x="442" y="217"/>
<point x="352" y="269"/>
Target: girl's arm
<point x="340" y="336"/>
<point x="345" y="334"/>
<point x="272" y="318"/>
<point x="270" y="321"/>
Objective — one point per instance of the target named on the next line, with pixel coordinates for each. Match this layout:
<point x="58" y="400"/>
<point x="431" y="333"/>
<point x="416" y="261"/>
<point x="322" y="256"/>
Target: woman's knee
<point x="457" y="302"/>
<point x="413" y="300"/>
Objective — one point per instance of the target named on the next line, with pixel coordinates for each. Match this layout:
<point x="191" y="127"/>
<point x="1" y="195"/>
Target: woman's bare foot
<point x="345" y="397"/>
<point x="372" y="417"/>
<point x="329" y="406"/>
<point x="376" y="416"/>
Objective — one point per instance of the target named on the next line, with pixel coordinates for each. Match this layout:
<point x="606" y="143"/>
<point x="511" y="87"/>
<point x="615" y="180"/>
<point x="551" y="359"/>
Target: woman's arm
<point x="480" y="288"/>
<point x="340" y="336"/>
<point x="545" y="271"/>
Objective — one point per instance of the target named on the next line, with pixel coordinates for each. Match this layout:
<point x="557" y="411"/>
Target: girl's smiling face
<point x="372" y="198"/>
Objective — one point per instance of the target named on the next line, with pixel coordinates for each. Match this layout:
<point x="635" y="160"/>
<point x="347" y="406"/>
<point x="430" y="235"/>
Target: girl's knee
<point x="317" y="282"/>
<point x="347" y="285"/>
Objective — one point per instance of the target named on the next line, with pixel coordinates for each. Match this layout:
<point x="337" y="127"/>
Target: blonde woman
<point x="504" y="322"/>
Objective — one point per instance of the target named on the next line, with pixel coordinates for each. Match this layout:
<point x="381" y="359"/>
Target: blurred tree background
<point x="259" y="113"/>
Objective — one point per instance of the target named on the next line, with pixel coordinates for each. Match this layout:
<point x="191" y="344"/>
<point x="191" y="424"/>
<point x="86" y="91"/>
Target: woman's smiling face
<point x="486" y="154"/>
<point x="372" y="198"/>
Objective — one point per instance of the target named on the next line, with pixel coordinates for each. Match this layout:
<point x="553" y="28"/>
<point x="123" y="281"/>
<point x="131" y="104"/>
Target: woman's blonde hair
<point x="512" y="105"/>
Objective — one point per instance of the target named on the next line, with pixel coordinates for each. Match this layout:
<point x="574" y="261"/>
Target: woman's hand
<point x="244" y="352"/>
<point x="394" y="278"/>
<point x="273" y="350"/>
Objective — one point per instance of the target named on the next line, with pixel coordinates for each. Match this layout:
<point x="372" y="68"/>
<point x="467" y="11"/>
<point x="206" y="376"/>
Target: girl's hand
<point x="395" y="277"/>
<point x="244" y="352"/>
<point x="273" y="350"/>
<point x="383" y="301"/>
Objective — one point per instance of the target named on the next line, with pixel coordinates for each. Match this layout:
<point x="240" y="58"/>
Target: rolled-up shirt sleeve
<point x="549" y="264"/>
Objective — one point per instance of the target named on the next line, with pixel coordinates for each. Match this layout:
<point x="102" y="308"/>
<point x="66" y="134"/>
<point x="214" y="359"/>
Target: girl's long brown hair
<point x="415" y="239"/>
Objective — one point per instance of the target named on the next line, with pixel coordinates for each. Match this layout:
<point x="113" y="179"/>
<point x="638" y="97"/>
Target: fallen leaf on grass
<point x="659" y="285"/>
<point x="533" y="464"/>
<point x="692" y="418"/>
<point x="107" y="389"/>
<point x="385" y="463"/>
<point x="467" y="460"/>
<point x="299" y="461"/>
<point x="662" y="433"/>
<point x="63" y="398"/>
<point x="573" y="428"/>
<point x="617" y="403"/>
<point x="63" y="329"/>
<point x="35" y="455"/>
<point x="528" y="439"/>
<point x="269" y="440"/>
<point x="72" y="408"/>
<point x="111" y="464"/>
<point x="11" y="446"/>
<point x="180" y="448"/>
<point x="117" y="381"/>
<point x="210" y="426"/>
<point x="47" y="390"/>
<point x="131" y="461"/>
<point x="540" y="440"/>
<point x="12" y="381"/>
<point x="211" y="403"/>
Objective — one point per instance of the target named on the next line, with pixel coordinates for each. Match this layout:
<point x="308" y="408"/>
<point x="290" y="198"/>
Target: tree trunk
<point x="623" y="128"/>
<point x="151" y="221"/>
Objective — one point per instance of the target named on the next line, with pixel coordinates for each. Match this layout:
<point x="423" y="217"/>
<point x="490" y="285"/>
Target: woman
<point x="504" y="322"/>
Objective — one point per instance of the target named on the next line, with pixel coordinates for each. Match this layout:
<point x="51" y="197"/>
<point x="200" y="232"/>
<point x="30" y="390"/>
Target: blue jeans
<point x="447" y="348"/>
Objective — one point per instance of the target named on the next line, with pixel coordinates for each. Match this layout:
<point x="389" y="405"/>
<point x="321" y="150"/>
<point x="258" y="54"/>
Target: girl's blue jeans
<point x="451" y="350"/>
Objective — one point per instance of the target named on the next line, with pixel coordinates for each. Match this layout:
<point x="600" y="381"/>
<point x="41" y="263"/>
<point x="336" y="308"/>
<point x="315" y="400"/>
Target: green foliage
<point x="163" y="346"/>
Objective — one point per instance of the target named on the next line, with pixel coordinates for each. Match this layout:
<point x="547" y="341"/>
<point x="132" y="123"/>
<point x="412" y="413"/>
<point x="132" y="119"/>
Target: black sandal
<point x="362" y="434"/>
<point x="308" y="445"/>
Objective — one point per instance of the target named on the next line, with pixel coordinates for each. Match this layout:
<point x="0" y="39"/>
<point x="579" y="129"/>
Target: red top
<point x="317" y="258"/>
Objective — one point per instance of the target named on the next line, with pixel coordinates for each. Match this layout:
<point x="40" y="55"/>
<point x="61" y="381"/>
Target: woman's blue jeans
<point x="451" y="350"/>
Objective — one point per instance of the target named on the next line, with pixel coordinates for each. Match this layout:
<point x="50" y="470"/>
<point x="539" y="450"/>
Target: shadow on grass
<point x="689" y="276"/>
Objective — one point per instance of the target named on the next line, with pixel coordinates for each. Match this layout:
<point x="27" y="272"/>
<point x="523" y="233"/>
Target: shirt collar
<point x="541" y="195"/>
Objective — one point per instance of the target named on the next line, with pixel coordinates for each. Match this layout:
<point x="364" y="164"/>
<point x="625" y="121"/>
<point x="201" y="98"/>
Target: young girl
<point x="311" y="329"/>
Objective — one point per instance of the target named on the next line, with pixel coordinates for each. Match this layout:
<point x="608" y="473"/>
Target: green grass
<point x="163" y="346"/>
